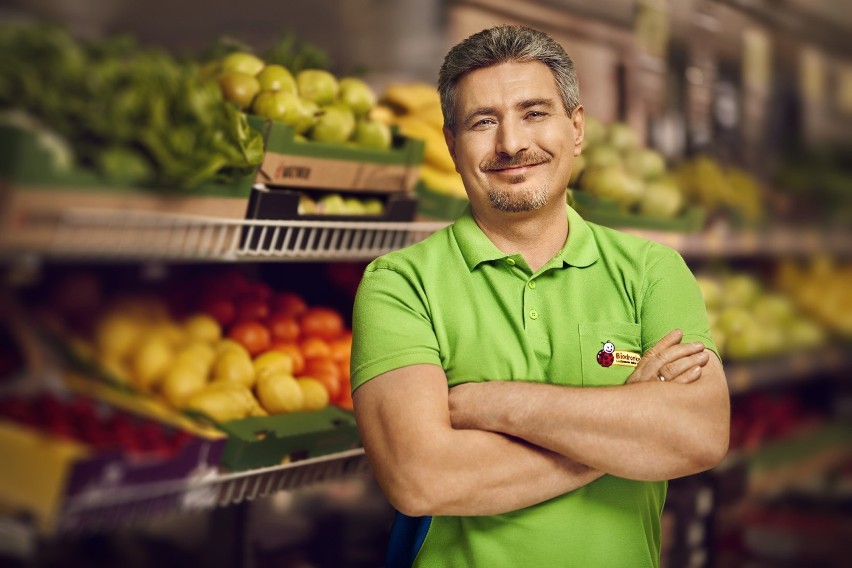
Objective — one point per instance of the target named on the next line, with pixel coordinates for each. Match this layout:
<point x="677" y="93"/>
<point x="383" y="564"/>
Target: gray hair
<point x="502" y="44"/>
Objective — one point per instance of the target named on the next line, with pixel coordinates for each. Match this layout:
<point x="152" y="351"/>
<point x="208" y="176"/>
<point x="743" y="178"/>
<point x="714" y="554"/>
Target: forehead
<point x="506" y="84"/>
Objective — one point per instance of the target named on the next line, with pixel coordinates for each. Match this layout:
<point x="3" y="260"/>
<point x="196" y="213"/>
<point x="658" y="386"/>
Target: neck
<point x="537" y="235"/>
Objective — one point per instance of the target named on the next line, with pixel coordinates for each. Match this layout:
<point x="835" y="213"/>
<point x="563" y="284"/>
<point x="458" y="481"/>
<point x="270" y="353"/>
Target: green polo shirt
<point x="455" y="300"/>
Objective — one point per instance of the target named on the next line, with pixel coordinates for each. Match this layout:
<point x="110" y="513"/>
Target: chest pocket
<point x="599" y="365"/>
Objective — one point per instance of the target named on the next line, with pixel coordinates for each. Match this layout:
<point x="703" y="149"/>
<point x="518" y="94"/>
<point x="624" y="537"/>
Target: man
<point x="579" y="362"/>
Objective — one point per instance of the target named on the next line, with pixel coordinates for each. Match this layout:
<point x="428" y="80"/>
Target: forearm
<point x="472" y="472"/>
<point x="426" y="467"/>
<point x="647" y="431"/>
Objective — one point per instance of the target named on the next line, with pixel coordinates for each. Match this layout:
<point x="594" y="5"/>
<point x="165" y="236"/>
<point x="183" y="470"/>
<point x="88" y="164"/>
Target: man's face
<point x="515" y="143"/>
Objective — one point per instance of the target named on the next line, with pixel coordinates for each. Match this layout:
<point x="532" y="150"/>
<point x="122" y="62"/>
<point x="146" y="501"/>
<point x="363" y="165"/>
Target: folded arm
<point x="647" y="429"/>
<point x="426" y="467"/>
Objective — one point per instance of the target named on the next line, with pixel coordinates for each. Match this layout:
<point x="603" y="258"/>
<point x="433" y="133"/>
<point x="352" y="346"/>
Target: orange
<point x="283" y="327"/>
<point x="324" y="323"/>
<point x="252" y="335"/>
<point x="326" y="372"/>
<point x="289" y="303"/>
<point x="315" y="348"/>
<point x="341" y="349"/>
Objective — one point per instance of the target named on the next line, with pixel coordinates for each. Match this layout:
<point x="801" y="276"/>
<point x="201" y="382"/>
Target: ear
<point x="578" y="118"/>
<point x="450" y="139"/>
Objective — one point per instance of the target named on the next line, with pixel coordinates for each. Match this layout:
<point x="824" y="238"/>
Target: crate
<point x="297" y="164"/>
<point x="609" y="213"/>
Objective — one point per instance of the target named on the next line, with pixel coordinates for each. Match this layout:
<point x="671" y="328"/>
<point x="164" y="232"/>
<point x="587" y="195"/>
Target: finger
<point x="652" y="361"/>
<point x="682" y="365"/>
<point x="670" y="339"/>
<point x="689" y="376"/>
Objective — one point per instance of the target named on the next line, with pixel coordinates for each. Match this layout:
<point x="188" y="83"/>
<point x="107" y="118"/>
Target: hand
<point x="672" y="360"/>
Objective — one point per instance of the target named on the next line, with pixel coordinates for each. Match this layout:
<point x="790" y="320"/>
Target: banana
<point x="410" y="97"/>
<point x="432" y="115"/>
<point x="436" y="153"/>
<point x="442" y="182"/>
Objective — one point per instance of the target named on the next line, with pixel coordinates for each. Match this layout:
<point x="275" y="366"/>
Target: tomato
<point x="259" y="290"/>
<point x="283" y="327"/>
<point x="251" y="308"/>
<point x="341" y="349"/>
<point x="315" y="348"/>
<point x="252" y="335"/>
<point x="289" y="303"/>
<point x="324" y="323"/>
<point x="221" y="309"/>
<point x="326" y="372"/>
<point x="344" y="401"/>
<point x="343" y="366"/>
<point x="295" y="354"/>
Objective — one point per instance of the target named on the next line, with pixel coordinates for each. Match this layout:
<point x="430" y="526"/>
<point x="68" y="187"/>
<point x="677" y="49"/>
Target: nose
<point x="511" y="138"/>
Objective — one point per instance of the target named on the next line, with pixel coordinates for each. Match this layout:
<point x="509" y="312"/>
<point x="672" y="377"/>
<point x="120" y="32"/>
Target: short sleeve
<point x="391" y="327"/>
<point x="672" y="299"/>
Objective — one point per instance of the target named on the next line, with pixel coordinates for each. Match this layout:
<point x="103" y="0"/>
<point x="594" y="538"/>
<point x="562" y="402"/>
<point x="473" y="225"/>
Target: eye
<point x="536" y="114"/>
<point x="482" y="122"/>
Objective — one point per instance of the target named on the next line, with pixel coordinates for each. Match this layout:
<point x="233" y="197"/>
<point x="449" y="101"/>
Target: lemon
<point x="314" y="394"/>
<point x="279" y="393"/>
<point x="220" y="404"/>
<point x="198" y="354"/>
<point x="180" y="382"/>
<point x="234" y="366"/>
<point x="116" y="335"/>
<point x="201" y="327"/>
<point x="273" y="361"/>
<point x="151" y="361"/>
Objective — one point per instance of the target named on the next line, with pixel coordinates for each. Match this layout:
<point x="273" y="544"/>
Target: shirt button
<point x="510" y="261"/>
<point x="531" y="284"/>
<point x="533" y="314"/>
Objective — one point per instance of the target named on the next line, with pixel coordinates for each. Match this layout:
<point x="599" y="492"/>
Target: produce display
<point x="315" y="103"/>
<point x="415" y="109"/>
<point x="238" y="349"/>
<point x="94" y="424"/>
<point x="749" y="321"/>
<point x="336" y="204"/>
<point x="822" y="288"/>
<point x="135" y="115"/>
<point x="616" y="166"/>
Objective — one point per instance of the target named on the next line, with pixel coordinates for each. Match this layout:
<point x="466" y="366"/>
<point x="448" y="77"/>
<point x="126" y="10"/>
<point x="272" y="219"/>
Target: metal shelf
<point x="105" y="234"/>
<point x="104" y="507"/>
<point x="116" y="235"/>
<point x="785" y="369"/>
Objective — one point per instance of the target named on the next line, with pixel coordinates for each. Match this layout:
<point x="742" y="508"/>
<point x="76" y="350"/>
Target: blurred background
<point x="205" y="181"/>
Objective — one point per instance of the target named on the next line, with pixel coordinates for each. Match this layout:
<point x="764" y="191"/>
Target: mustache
<point x="518" y="160"/>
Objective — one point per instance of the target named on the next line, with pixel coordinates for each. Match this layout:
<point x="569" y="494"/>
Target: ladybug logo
<point x="605" y="355"/>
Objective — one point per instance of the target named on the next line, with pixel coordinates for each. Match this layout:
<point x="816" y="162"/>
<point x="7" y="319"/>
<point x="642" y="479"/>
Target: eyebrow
<point x="523" y="105"/>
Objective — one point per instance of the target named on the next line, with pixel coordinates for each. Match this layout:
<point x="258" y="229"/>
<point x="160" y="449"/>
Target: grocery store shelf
<point x="104" y="234"/>
<point x="784" y="370"/>
<point x="111" y="234"/>
<point x="732" y="243"/>
<point x="104" y="507"/>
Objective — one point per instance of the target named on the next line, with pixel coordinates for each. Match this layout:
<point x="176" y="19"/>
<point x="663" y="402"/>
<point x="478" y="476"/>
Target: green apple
<point x="602" y="156"/>
<point x="621" y="136"/>
<point x="307" y="206"/>
<point x="644" y="163"/>
<point x="331" y="204"/>
<point x="334" y="124"/>
<point x="353" y="206"/>
<point x="276" y="78"/>
<point x="372" y="134"/>
<point x="594" y="132"/>
<point x="373" y="206"/>
<point x="242" y="62"/>
<point x="308" y="112"/>
<point x="357" y="95"/>
<point x="239" y="88"/>
<point x="317" y="85"/>
<point x="660" y="198"/>
<point x="278" y="105"/>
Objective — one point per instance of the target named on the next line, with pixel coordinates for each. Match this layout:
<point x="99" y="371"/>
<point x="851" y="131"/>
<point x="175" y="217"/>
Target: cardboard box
<point x="292" y="163"/>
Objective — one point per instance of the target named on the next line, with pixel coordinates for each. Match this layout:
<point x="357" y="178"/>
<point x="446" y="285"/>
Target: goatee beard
<point x="517" y="201"/>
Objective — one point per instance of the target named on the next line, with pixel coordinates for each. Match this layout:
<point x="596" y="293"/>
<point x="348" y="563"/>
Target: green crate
<point x="611" y="214"/>
<point x="266" y="441"/>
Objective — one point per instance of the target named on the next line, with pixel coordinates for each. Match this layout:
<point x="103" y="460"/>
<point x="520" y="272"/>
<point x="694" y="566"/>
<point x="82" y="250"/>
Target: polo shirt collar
<point x="579" y="250"/>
